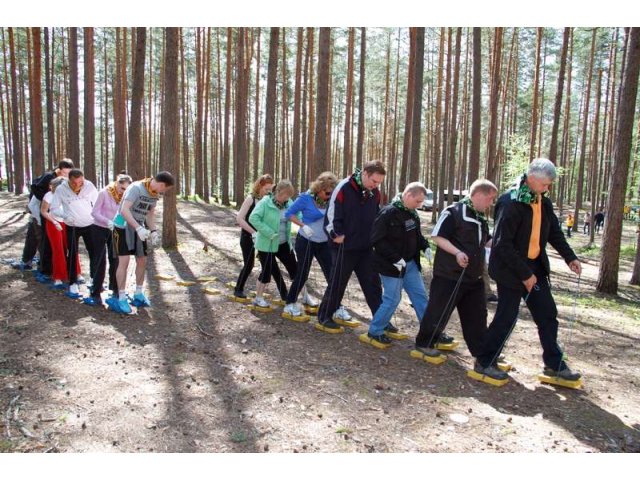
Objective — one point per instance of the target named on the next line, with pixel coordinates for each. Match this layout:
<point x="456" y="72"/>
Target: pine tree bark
<point x="476" y="117"/>
<point x="18" y="162"/>
<point x="534" y="104"/>
<point x="348" y="147"/>
<point x="321" y="161"/>
<point x="136" y="169"/>
<point x="242" y="92"/>
<point x="453" y="132"/>
<point x="297" y="92"/>
<point x="361" y="97"/>
<point x="557" y="108"/>
<point x="89" y="130"/>
<point x="35" y="103"/>
<point x="406" y="143"/>
<point x="224" y="168"/>
<point x="491" y="170"/>
<point x="593" y="177"/>
<point x="73" y="142"/>
<point x="437" y="171"/>
<point x="170" y="154"/>
<point x="256" y="118"/>
<point x="270" y="109"/>
<point x="610" y="256"/>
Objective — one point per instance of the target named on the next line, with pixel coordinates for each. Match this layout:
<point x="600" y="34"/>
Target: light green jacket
<point x="266" y="220"/>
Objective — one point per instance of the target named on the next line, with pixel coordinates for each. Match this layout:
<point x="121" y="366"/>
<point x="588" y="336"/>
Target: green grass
<point x="238" y="437"/>
<point x="604" y="303"/>
<point x="627" y="252"/>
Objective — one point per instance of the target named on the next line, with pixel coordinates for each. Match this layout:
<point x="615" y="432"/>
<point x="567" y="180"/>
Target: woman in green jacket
<point x="274" y="231"/>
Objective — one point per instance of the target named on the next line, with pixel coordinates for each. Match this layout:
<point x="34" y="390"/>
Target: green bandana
<point x="319" y="202"/>
<point x="522" y="193"/>
<point x="357" y="176"/>
<point x="397" y="202"/>
<point x="479" y="215"/>
<point x="280" y="206"/>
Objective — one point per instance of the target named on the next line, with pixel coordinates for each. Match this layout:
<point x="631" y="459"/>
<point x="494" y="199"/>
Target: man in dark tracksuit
<point x="525" y="222"/>
<point x="350" y="214"/>
<point x="461" y="235"/>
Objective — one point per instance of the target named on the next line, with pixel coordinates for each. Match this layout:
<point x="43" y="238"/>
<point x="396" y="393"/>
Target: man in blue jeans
<point x="397" y="243"/>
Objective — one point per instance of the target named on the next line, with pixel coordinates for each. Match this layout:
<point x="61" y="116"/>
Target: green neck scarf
<point x="522" y="193"/>
<point x="357" y="176"/>
<point x="280" y="206"/>
<point x="397" y="202"/>
<point x="479" y="215"/>
<point x="319" y="202"/>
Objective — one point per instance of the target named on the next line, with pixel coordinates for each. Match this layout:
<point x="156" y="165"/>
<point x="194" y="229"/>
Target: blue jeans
<point x="413" y="284"/>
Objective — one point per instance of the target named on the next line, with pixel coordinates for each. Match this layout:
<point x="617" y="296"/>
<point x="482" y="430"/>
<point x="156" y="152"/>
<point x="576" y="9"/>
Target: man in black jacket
<point x="353" y="207"/>
<point x="461" y="235"/>
<point x="397" y="243"/>
<point x="525" y="222"/>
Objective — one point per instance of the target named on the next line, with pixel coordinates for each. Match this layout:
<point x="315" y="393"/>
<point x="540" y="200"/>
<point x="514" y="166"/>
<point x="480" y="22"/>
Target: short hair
<point x="76" y="173"/>
<point x="263" y="180"/>
<point x="65" y="163"/>
<point x="415" y="188"/>
<point x="55" y="183"/>
<point x="166" y="178"/>
<point x="123" y="178"/>
<point x="375" y="166"/>
<point x="324" y="181"/>
<point x="285" y="185"/>
<point x="482" y="185"/>
<point x="542" y="168"/>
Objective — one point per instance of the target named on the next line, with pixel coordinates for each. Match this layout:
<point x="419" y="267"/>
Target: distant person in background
<point x="587" y="223"/>
<point x="570" y="222"/>
<point x="598" y="220"/>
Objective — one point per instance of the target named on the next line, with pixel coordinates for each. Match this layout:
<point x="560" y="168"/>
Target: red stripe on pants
<point x="58" y="241"/>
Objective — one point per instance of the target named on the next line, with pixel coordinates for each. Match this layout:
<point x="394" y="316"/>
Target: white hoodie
<point x="74" y="209"/>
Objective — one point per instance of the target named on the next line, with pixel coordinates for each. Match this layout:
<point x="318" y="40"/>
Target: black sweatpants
<point x="249" y="259"/>
<point x="270" y="267"/>
<point x="471" y="302"/>
<point x="306" y="251"/>
<point x="73" y="236"/>
<point x="345" y="262"/>
<point x="543" y="309"/>
<point x="103" y="249"/>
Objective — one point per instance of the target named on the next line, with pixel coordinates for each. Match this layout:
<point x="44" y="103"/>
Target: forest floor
<point x="199" y="373"/>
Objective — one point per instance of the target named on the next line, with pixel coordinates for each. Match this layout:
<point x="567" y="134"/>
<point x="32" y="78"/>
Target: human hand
<point x="462" y="259"/>
<point x="339" y="239"/>
<point x="57" y="225"/>
<point x="400" y="264"/>
<point x="143" y="233"/>
<point x="307" y="230"/>
<point x="110" y="224"/>
<point x="155" y="239"/>
<point x="576" y="267"/>
<point x="254" y="235"/>
<point x="530" y="282"/>
<point x="428" y="254"/>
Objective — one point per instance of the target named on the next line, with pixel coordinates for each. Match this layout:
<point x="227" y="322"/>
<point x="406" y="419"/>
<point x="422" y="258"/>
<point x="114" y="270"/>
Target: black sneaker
<point x="330" y="324"/>
<point x="564" y="374"/>
<point x="444" y="338"/>
<point x="491" y="371"/>
<point x="391" y="328"/>
<point x="380" y="338"/>
<point x="239" y="294"/>
<point x="429" y="352"/>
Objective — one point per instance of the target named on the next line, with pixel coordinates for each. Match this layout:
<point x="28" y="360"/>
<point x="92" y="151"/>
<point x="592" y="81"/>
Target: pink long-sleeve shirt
<point x="105" y="209"/>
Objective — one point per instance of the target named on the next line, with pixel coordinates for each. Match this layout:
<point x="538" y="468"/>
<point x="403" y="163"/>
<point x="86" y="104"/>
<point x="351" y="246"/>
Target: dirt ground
<point x="199" y="373"/>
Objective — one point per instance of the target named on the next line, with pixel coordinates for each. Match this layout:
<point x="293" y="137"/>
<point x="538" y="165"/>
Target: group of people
<point x="598" y="222"/>
<point x="342" y="225"/>
<point x="114" y="223"/>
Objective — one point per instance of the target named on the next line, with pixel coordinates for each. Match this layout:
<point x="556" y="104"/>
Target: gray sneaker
<point x="491" y="371"/>
<point x="429" y="352"/>
<point x="564" y="374"/>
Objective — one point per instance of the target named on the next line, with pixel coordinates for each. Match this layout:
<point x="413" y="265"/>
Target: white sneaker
<point x="342" y="314"/>
<point x="293" y="309"/>
<point x="260" y="302"/>
<point x="309" y="300"/>
<point x="73" y="288"/>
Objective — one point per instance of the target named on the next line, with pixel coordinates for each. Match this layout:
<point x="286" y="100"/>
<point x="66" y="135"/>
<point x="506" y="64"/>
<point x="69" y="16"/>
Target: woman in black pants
<point x="261" y="187"/>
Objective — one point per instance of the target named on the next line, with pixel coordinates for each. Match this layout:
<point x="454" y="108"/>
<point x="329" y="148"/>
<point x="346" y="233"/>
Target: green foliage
<point x="238" y="437"/>
<point x="517" y="158"/>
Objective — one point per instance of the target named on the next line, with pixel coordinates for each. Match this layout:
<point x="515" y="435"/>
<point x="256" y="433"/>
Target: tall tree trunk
<point x="361" y="97"/>
<point x="51" y="142"/>
<point x="224" y="170"/>
<point x="566" y="131"/>
<point x="35" y="102"/>
<point x="385" y="123"/>
<point x="406" y="144"/>
<point x="18" y="163"/>
<point x="256" y="118"/>
<point x="445" y="128"/>
<point x="557" y="108"/>
<point x="347" y="165"/>
<point x="476" y="117"/>
<point x="437" y="171"/>
<point x="89" y="107"/>
<point x="453" y="134"/>
<point x="416" y="111"/>
<point x="242" y="92"/>
<point x="73" y="142"/>
<point x="205" y="127"/>
<point x="583" y="143"/>
<point x="311" y="128"/>
<point x="491" y="164"/>
<point x="270" y="110"/>
<point x="171" y="127"/>
<point x="136" y="169"/>
<point x="184" y="107"/>
<point x="593" y="187"/>
<point x="295" y="151"/>
<point x="608" y="274"/>
<point x="534" y="103"/>
<point x="321" y="161"/>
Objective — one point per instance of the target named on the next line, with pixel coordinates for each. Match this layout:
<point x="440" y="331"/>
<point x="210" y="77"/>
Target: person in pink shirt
<point x="103" y="213"/>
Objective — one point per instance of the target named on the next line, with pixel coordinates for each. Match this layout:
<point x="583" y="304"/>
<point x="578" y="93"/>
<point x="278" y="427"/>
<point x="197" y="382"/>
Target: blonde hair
<point x="324" y="181"/>
<point x="123" y="177"/>
<point x="285" y="185"/>
<point x="265" y="179"/>
<point x="55" y="183"/>
<point x="482" y="185"/>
